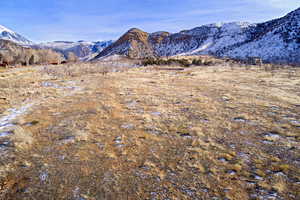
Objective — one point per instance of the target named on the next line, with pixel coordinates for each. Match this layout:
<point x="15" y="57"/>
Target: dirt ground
<point x="220" y="132"/>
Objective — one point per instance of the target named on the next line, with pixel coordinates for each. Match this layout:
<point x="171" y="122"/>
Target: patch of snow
<point x="44" y="176"/>
<point x="127" y="126"/>
<point x="5" y="133"/>
<point x="2" y="29"/>
<point x="13" y="113"/>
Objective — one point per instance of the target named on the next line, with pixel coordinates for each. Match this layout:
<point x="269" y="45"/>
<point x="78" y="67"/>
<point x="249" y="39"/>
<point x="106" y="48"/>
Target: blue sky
<point x="91" y="20"/>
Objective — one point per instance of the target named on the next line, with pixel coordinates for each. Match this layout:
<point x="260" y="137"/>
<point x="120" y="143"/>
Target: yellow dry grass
<point x="99" y="132"/>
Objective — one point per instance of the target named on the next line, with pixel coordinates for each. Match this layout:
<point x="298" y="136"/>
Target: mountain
<point x="135" y="43"/>
<point x="81" y="48"/>
<point x="274" y="41"/>
<point x="7" y="34"/>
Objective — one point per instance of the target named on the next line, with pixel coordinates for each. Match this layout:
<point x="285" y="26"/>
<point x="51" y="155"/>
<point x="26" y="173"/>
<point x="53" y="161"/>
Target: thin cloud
<point x="279" y="4"/>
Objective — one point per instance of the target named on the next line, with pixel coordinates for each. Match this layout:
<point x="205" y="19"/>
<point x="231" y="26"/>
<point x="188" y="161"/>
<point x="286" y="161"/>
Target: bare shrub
<point x="13" y="54"/>
<point x="71" y="57"/>
<point x="6" y="58"/>
<point x="247" y="67"/>
<point x="167" y="61"/>
<point x="47" y="56"/>
<point x="79" y="69"/>
<point x="291" y="73"/>
<point x="202" y="62"/>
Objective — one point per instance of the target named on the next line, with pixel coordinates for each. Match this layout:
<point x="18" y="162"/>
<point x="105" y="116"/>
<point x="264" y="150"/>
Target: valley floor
<point x="77" y="132"/>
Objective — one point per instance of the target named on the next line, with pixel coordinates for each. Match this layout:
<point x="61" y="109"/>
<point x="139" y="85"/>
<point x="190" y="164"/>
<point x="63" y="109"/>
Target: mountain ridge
<point x="277" y="40"/>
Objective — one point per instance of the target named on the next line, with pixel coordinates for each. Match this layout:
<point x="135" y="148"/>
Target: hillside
<point x="274" y="41"/>
<point x="134" y="44"/>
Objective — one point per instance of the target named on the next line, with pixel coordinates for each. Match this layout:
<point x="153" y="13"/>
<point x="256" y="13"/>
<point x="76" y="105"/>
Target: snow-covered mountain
<point x="274" y="41"/>
<point x="7" y="34"/>
<point x="81" y="48"/>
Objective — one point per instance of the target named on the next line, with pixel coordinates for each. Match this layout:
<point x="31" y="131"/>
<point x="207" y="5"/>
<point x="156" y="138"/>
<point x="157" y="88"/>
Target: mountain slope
<point x="274" y="41"/>
<point x="7" y="34"/>
<point x="134" y="43"/>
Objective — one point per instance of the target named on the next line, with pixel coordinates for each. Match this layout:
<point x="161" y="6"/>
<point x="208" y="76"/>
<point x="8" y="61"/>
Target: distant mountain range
<point x="274" y="41"/>
<point x="277" y="40"/>
<point x="81" y="49"/>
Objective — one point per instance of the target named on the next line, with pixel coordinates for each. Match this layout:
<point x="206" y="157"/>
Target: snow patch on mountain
<point x="2" y="29"/>
<point x="7" y="34"/>
<point x="273" y="41"/>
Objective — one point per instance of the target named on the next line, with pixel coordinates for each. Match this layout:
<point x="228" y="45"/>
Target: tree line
<point x="12" y="54"/>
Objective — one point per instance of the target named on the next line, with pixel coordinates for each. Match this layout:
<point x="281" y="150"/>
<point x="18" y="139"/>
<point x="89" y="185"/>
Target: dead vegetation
<point x="184" y="61"/>
<point x="13" y="55"/>
<point x="218" y="132"/>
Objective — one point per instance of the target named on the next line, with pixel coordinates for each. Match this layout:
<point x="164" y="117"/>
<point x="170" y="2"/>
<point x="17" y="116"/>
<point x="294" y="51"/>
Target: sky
<point x="94" y="20"/>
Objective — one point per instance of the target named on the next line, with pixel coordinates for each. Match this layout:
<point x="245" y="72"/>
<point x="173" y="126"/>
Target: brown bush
<point x="13" y="54"/>
<point x="169" y="61"/>
<point x="71" y="57"/>
<point x="6" y="58"/>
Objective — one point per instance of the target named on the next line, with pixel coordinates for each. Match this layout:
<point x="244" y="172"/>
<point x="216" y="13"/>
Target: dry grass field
<point x="92" y="131"/>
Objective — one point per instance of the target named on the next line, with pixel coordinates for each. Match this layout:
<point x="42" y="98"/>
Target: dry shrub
<point x="12" y="54"/>
<point x="160" y="61"/>
<point x="202" y="62"/>
<point x="71" y="57"/>
<point x="79" y="69"/>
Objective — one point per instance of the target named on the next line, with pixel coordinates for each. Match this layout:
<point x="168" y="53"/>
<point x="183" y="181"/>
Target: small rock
<point x="118" y="139"/>
<point x="272" y="136"/>
<point x="185" y="135"/>
<point x="43" y="176"/>
<point x="280" y="174"/>
<point x="222" y="159"/>
<point x="225" y="98"/>
<point x="67" y="139"/>
<point x="267" y="142"/>
<point x="34" y="122"/>
<point x="258" y="177"/>
<point x="295" y="123"/>
<point x="231" y="172"/>
<point x="239" y="119"/>
<point x="118" y="142"/>
<point x="5" y="144"/>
